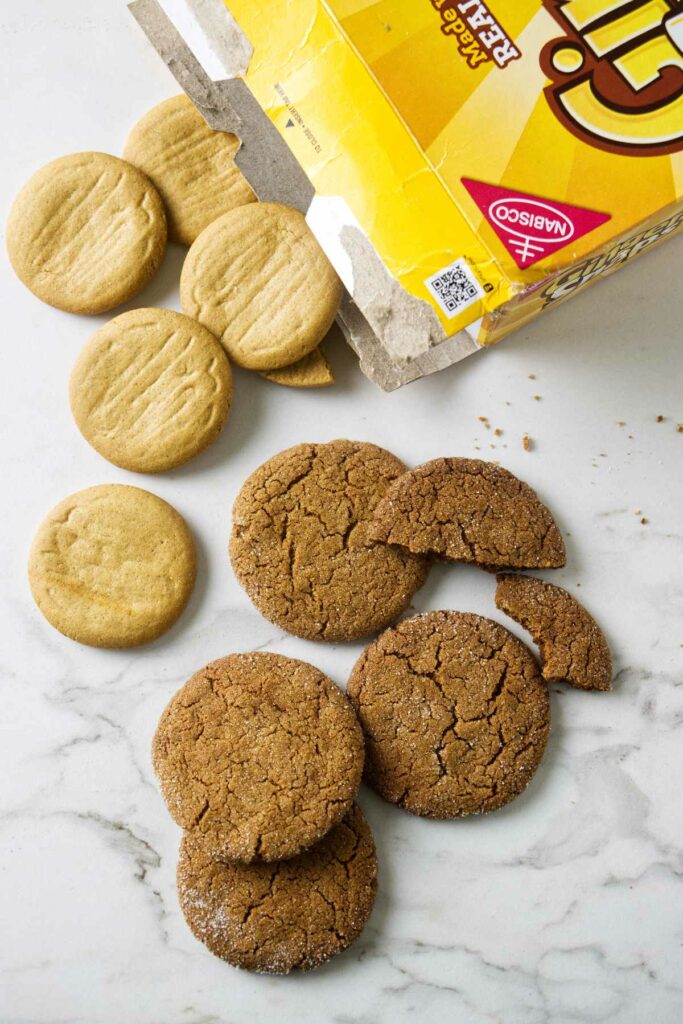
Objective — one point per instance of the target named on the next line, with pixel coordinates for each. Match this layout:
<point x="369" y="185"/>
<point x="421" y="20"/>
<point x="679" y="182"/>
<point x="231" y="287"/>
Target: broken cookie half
<point x="467" y="510"/>
<point x="572" y="645"/>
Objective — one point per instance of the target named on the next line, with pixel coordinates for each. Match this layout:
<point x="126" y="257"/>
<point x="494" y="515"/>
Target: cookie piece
<point x="301" y="546"/>
<point x="293" y="915"/>
<point x="192" y="166"/>
<point x="112" y="566"/>
<point x="259" y="755"/>
<point x="150" y="390"/>
<point x="466" y="510"/>
<point x="572" y="645"/>
<point x="455" y="714"/>
<point x="313" y="371"/>
<point x="86" y="232"/>
<point x="260" y="282"/>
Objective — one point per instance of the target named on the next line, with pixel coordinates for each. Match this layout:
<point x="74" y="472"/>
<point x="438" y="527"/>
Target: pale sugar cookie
<point x="151" y="389"/>
<point x="258" y="279"/>
<point x="86" y="232"/>
<point x="192" y="166"/>
<point x="112" y="566"/>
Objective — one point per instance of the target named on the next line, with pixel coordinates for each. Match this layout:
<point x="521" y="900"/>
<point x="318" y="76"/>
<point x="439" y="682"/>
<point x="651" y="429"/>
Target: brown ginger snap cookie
<point x="259" y="755"/>
<point x="572" y="645"/>
<point x="151" y="389"/>
<point x="258" y="279"/>
<point x="467" y="510"/>
<point x="455" y="714"/>
<point x="292" y="915"/>
<point x="86" y="232"/>
<point x="192" y="166"/>
<point x="301" y="546"/>
<point x="112" y="566"/>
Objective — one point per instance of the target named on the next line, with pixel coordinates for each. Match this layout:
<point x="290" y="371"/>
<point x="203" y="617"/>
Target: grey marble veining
<point x="566" y="907"/>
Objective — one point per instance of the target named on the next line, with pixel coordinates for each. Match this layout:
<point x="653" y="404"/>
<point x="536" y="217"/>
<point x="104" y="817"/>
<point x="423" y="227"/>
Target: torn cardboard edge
<point x="398" y="338"/>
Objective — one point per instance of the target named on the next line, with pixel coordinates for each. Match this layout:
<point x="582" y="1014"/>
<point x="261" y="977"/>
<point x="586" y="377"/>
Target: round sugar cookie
<point x="455" y="713"/>
<point x="293" y="915"/>
<point x="112" y="566"/>
<point x="192" y="166"/>
<point x="259" y="755"/>
<point x="301" y="545"/>
<point x="150" y="390"/>
<point x="86" y="232"/>
<point x="258" y="279"/>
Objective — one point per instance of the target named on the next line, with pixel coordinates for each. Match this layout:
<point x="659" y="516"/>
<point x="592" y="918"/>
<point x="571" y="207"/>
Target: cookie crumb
<point x="537" y="398"/>
<point x="621" y="423"/>
<point x="532" y="376"/>
<point x="498" y="432"/>
<point x="644" y="521"/>
<point x="527" y="443"/>
<point x="661" y="419"/>
<point x="679" y="428"/>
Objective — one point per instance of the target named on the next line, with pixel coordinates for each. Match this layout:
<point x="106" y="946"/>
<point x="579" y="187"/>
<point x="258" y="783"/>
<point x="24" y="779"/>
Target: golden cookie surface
<point x="151" y="389"/>
<point x="313" y="371"/>
<point x="260" y="282"/>
<point x="86" y="232"/>
<point x="191" y="165"/>
<point x="112" y="566"/>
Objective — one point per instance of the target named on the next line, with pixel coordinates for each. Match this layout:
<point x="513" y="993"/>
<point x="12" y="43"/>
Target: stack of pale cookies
<point x="260" y="757"/>
<point x="152" y="388"/>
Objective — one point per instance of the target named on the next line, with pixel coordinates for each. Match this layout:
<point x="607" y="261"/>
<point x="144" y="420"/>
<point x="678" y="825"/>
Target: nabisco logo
<point x="532" y="223"/>
<point x="531" y="228"/>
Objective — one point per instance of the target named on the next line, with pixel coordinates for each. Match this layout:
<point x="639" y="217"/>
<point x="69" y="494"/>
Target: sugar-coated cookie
<point x="572" y="645"/>
<point x="259" y="755"/>
<point x="293" y="915"/>
<point x="455" y="713"/>
<point x="301" y="544"/>
<point x="467" y="510"/>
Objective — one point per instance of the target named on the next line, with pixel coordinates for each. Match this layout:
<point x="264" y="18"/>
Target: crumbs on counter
<point x="644" y="521"/>
<point x="679" y="428"/>
<point x="661" y="419"/>
<point x="537" y="398"/>
<point x="527" y="443"/>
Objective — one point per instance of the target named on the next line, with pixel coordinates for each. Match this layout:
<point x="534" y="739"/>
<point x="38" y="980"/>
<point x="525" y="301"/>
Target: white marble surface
<point x="565" y="907"/>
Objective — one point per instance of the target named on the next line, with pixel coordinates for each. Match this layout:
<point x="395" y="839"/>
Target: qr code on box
<point x="455" y="288"/>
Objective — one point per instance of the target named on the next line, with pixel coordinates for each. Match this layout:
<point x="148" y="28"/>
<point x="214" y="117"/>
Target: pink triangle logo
<point x="531" y="228"/>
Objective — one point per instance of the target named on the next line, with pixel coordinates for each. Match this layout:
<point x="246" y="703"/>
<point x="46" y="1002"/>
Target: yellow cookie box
<point x="497" y="156"/>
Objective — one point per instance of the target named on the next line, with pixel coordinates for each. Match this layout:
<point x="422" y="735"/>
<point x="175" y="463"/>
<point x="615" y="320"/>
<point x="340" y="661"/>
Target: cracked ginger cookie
<point x="192" y="166"/>
<point x="258" y="279"/>
<point x="150" y="390"/>
<point x="455" y="714"/>
<point x="112" y="566"/>
<point x="301" y="544"/>
<point x="292" y="915"/>
<point x="259" y="756"/>
<point x="572" y="645"/>
<point x="86" y="232"/>
<point x="467" y="510"/>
